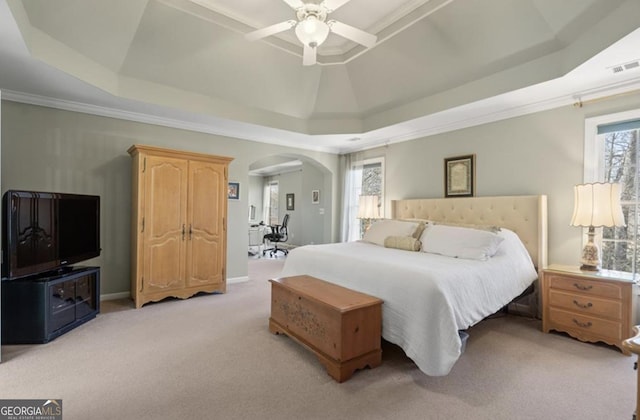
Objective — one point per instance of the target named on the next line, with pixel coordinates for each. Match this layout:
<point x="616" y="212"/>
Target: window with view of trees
<point x="367" y="178"/>
<point x="371" y="184"/>
<point x="619" y="248"/>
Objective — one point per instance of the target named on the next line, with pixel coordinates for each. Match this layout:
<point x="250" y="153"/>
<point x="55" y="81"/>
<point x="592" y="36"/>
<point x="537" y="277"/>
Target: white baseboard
<point x="125" y="295"/>
<point x="238" y="280"/>
<point x="114" y="296"/>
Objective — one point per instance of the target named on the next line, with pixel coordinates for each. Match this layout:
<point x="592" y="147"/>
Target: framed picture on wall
<point x="459" y="176"/>
<point x="315" y="197"/>
<point x="233" y="191"/>
<point x="290" y="202"/>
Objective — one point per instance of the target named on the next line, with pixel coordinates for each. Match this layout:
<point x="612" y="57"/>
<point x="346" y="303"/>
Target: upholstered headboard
<point x="526" y="215"/>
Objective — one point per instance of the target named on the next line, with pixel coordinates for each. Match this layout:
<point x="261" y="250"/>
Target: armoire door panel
<point x="206" y="182"/>
<point x="162" y="270"/>
<point x="205" y="262"/>
<point x="204" y="256"/>
<point x="166" y="191"/>
<point x="165" y="221"/>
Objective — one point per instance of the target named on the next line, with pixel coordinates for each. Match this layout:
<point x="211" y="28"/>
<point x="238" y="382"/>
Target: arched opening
<point x="295" y="185"/>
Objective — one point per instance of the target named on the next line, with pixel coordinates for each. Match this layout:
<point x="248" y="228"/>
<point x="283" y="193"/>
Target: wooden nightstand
<point x="589" y="305"/>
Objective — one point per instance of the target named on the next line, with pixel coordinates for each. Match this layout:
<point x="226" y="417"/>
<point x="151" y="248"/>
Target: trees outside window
<point x="619" y="244"/>
<point x="366" y="177"/>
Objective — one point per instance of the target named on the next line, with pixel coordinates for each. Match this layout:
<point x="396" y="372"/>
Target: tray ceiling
<point x="190" y="56"/>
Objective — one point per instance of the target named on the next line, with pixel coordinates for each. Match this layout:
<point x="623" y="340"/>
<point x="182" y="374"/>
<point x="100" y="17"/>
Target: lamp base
<point x="585" y="267"/>
<point x="590" y="253"/>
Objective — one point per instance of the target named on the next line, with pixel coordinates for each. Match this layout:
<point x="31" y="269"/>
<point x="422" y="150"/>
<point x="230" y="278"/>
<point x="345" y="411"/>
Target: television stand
<point x="38" y="309"/>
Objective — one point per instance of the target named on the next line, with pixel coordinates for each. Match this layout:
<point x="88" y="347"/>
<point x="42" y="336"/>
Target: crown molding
<point x="461" y="117"/>
<point x="145" y="118"/>
<point x="468" y="119"/>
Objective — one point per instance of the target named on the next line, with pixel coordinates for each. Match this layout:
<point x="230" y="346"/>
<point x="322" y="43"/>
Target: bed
<point x="429" y="298"/>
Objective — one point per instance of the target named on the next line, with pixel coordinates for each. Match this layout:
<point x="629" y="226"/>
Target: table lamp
<point x="368" y="209"/>
<point x="596" y="205"/>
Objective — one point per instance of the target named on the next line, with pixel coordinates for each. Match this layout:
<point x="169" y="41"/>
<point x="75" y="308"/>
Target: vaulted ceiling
<point x="435" y="62"/>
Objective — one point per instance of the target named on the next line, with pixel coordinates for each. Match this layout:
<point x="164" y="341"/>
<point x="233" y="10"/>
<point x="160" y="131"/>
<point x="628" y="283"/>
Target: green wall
<point x="540" y="153"/>
<point x="54" y="150"/>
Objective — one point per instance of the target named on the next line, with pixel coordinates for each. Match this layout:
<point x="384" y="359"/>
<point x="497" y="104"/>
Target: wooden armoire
<point x="178" y="225"/>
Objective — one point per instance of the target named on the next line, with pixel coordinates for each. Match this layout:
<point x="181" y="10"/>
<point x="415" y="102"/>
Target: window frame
<point x="354" y="193"/>
<point x="594" y="154"/>
<point x="370" y="161"/>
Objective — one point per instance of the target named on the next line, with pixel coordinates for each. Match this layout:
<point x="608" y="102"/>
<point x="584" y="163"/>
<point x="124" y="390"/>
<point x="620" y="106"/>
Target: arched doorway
<point x="296" y="185"/>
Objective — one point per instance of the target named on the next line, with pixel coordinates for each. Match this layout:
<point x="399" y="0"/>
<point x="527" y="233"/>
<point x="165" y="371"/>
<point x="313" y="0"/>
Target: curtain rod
<point x="580" y="103"/>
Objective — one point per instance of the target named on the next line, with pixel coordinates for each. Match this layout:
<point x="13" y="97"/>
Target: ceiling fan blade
<point x="294" y="4"/>
<point x="309" y="56"/>
<point x="354" y="34"/>
<point x="334" y="4"/>
<point x="270" y="30"/>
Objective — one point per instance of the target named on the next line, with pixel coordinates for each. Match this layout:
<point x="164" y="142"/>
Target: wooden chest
<point x="341" y="326"/>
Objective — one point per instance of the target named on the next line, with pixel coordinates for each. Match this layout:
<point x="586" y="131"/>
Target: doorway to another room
<point x="294" y="188"/>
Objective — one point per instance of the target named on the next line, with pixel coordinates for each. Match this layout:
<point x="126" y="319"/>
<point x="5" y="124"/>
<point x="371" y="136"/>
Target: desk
<point x="256" y="234"/>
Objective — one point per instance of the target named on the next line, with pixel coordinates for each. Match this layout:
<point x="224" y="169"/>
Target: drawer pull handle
<point x="582" y="324"/>
<point x="582" y="305"/>
<point x="581" y="287"/>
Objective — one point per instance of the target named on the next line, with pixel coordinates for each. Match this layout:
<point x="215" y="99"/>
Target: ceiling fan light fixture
<point x="312" y="31"/>
<point x="312" y="27"/>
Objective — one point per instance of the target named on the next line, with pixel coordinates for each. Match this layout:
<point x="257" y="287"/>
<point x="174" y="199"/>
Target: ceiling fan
<point x="312" y="27"/>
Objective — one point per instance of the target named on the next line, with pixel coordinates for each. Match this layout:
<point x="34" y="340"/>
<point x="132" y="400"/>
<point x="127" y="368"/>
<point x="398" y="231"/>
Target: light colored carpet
<point x="212" y="356"/>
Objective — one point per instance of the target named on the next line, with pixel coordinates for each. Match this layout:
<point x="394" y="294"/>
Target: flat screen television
<point x="47" y="232"/>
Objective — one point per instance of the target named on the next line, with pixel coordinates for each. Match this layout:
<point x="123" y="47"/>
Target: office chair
<point x="279" y="233"/>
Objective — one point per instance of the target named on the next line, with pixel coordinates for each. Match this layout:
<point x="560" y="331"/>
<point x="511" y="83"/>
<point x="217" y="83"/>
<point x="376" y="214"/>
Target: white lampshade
<point x="312" y="31"/>
<point x="368" y="207"/>
<point x="597" y="205"/>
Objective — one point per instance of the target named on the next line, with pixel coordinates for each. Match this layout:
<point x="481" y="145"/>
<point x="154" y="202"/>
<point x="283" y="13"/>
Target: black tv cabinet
<point x="39" y="309"/>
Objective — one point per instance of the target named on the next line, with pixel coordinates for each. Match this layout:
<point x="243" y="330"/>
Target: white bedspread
<point x="427" y="297"/>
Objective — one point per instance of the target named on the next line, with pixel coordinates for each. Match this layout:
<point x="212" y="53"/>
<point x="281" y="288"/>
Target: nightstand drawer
<point x="590" y="305"/>
<point x="584" y="324"/>
<point x="591" y="287"/>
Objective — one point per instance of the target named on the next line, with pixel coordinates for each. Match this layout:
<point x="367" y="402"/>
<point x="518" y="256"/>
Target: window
<point x="621" y="166"/>
<point x="270" y="203"/>
<point x="612" y="150"/>
<point x="366" y="177"/>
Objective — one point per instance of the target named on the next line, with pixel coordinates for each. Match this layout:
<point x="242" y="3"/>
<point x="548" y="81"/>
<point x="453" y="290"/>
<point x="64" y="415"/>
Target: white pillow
<point x="379" y="230"/>
<point x="460" y="242"/>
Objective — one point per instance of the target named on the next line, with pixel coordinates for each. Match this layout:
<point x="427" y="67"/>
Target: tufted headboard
<point x="526" y="215"/>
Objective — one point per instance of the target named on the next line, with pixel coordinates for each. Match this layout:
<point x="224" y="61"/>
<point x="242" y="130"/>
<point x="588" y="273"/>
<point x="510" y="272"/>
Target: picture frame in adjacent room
<point x="291" y="201"/>
<point x="459" y="176"/>
<point x="315" y="197"/>
<point x="233" y="191"/>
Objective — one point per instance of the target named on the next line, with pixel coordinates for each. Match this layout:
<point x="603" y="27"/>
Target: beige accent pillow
<point x="379" y="230"/>
<point x="406" y="243"/>
<point x="421" y="227"/>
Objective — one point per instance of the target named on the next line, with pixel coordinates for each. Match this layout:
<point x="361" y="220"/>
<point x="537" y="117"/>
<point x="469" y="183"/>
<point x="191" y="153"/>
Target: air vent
<point x="625" y="66"/>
